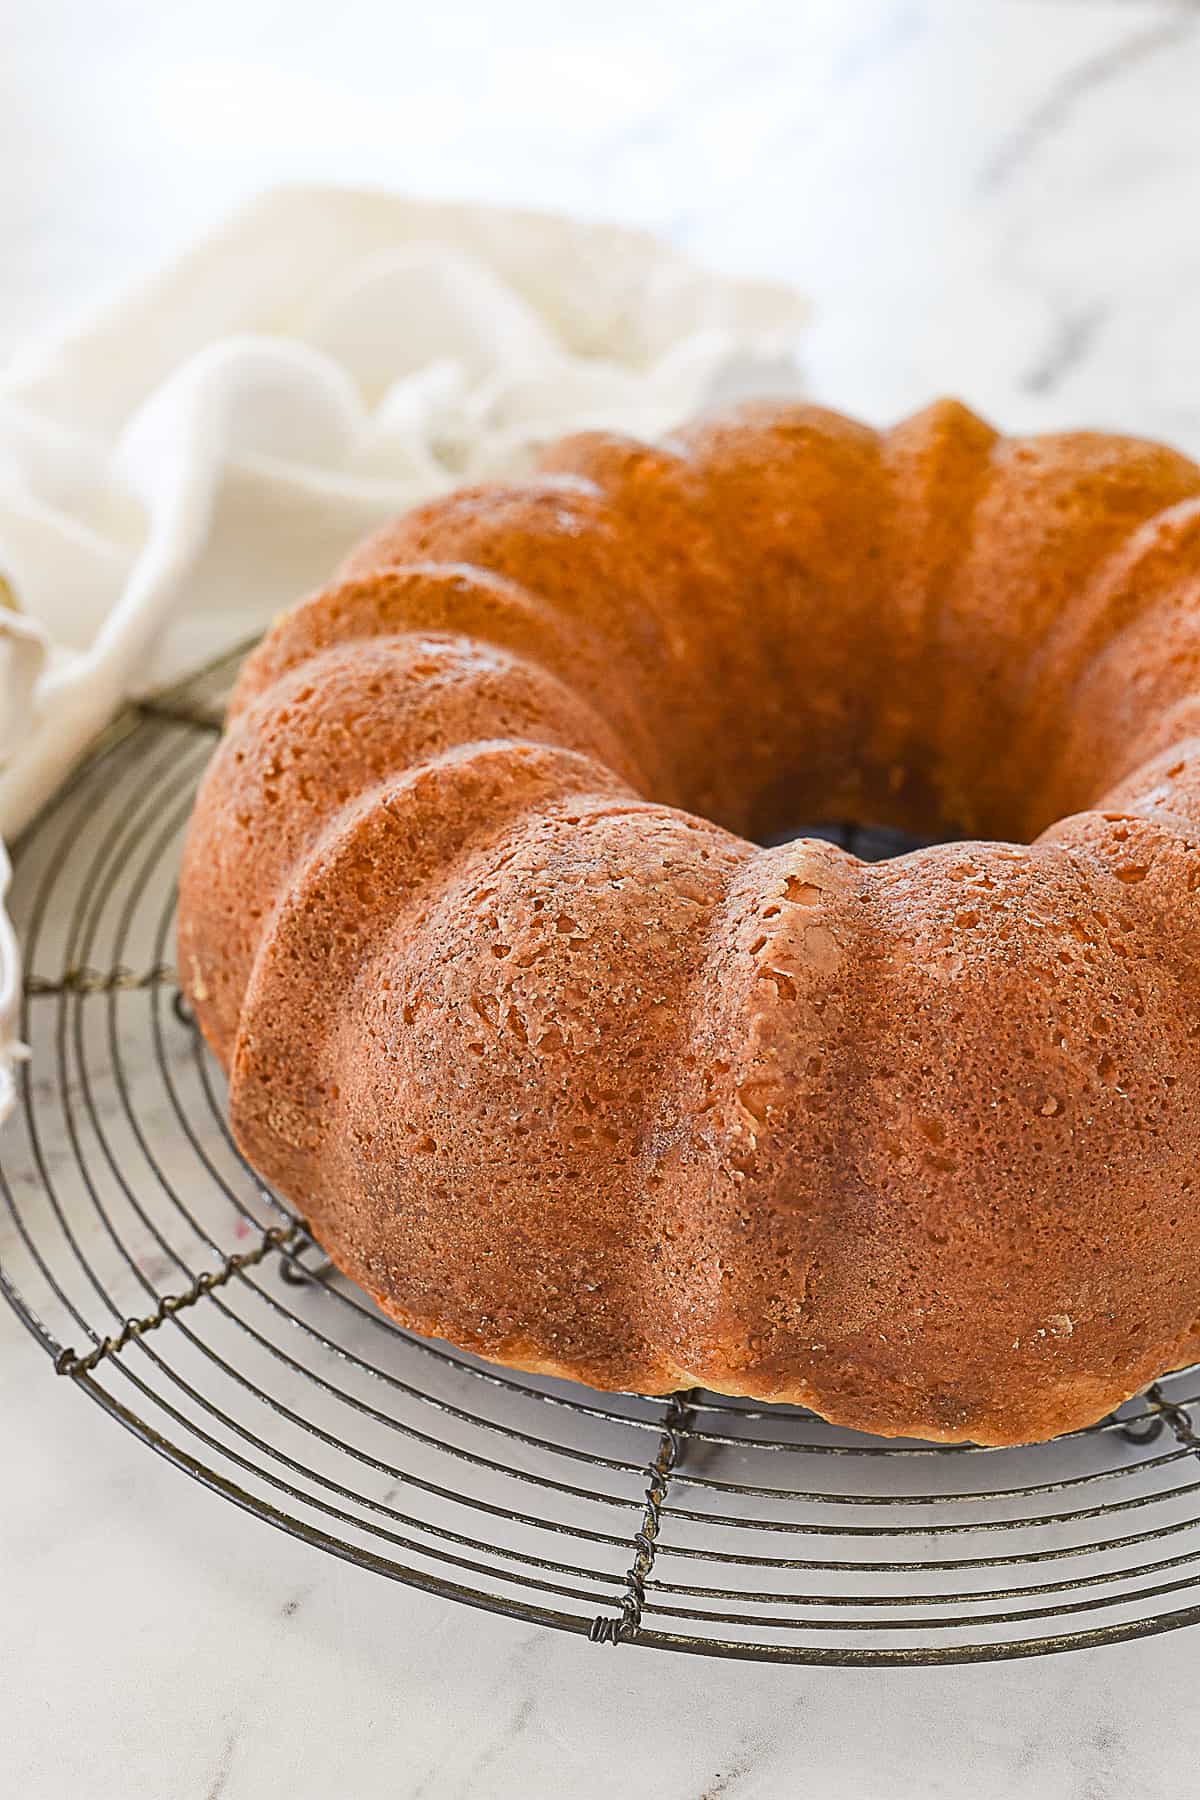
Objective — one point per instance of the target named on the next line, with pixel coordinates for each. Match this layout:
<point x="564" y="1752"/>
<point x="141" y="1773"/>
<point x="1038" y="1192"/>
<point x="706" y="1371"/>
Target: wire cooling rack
<point x="169" y="1285"/>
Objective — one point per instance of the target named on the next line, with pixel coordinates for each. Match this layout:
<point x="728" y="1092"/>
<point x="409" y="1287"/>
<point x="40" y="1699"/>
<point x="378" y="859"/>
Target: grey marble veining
<point x="991" y="197"/>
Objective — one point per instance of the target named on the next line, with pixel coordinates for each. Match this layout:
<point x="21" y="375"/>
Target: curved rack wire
<point x="174" y="1289"/>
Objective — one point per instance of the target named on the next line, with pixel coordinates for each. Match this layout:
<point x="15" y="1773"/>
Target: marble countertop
<point x="989" y="197"/>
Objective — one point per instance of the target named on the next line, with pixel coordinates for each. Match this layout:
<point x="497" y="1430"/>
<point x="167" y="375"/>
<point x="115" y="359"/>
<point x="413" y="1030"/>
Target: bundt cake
<point x="562" y="1066"/>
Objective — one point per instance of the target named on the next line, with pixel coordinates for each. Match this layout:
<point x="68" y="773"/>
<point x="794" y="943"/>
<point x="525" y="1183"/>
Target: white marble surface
<point x="996" y="197"/>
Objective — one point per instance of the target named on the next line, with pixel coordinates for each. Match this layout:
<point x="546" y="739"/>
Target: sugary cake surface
<point x="561" y="1066"/>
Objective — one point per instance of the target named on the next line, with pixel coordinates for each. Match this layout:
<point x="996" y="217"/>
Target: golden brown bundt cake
<point x="561" y="1066"/>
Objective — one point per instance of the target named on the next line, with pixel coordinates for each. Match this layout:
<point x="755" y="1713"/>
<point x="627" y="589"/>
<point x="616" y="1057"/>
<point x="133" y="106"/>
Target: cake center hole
<point x="871" y="843"/>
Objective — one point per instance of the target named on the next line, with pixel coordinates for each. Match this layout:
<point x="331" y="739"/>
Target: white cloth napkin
<point x="194" y="456"/>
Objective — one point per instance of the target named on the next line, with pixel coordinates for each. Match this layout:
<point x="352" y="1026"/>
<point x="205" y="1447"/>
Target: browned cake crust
<point x="560" y="1066"/>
